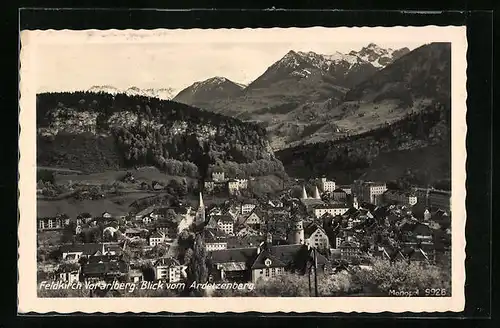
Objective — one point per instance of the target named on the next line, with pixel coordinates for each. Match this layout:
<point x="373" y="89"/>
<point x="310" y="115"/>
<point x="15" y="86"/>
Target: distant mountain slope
<point x="379" y="57"/>
<point x="201" y="93"/>
<point x="97" y="131"/>
<point x="423" y="73"/>
<point x="295" y="93"/>
<point x="407" y="85"/>
<point x="342" y="70"/>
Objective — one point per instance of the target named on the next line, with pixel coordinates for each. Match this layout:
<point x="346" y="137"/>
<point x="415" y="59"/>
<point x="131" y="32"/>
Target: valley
<point x="302" y="101"/>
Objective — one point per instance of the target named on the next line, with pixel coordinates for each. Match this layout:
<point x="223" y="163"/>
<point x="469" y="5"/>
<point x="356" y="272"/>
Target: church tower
<point x="304" y="192"/>
<point x="296" y="233"/>
<point x="316" y="193"/>
<point x="200" y="213"/>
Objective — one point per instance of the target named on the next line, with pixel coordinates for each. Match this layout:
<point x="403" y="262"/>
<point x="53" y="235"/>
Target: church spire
<point x="304" y="192"/>
<point x="201" y="201"/>
<point x="200" y="213"/>
<point x="316" y="193"/>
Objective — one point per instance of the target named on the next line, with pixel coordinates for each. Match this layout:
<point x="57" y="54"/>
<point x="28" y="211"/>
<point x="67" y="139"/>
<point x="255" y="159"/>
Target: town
<point x="313" y="225"/>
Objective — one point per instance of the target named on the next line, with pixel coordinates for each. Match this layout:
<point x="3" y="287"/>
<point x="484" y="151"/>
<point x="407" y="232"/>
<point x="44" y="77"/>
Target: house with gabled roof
<point x="215" y="239"/>
<point x="349" y="250"/>
<point x="156" y="238"/>
<point x="248" y="205"/>
<point x="254" y="263"/>
<point x="168" y="269"/>
<point x="255" y="219"/>
<point x="316" y="237"/>
<point x="333" y="209"/>
<point x="339" y="195"/>
<point x="105" y="268"/>
<point x="267" y="266"/>
<point x="73" y="252"/>
<point x="68" y="272"/>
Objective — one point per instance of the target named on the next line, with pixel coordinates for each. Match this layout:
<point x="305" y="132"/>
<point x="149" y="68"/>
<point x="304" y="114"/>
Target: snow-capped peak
<point x="338" y="57"/>
<point x="160" y="93"/>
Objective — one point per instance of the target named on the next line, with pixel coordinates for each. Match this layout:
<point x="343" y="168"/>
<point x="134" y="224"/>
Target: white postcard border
<point x="27" y="286"/>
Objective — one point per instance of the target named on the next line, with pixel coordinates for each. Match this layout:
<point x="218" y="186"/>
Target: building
<point x="372" y="192"/>
<point x="107" y="215"/>
<point x="75" y="252"/>
<point x="156" y="238"/>
<point x="135" y="275"/>
<point x="332" y="209"/>
<point x="242" y="183"/>
<point x="339" y="195"/>
<point x="400" y="197"/>
<point x="254" y="219"/>
<point x="214" y="239"/>
<point x="262" y="262"/>
<point x="233" y="186"/>
<point x="267" y="266"/>
<point x="53" y="223"/>
<point x="247" y="206"/>
<point x="68" y="272"/>
<point x="106" y="268"/>
<point x="346" y="188"/>
<point x="209" y="186"/>
<point x="296" y="232"/>
<point x="169" y="269"/>
<point x="224" y="223"/>
<point x="349" y="250"/>
<point x="309" y="202"/>
<point x="83" y="218"/>
<point x="316" y="237"/>
<point x="275" y="203"/>
<point x="218" y="176"/>
<point x="440" y="199"/>
<point x="327" y="185"/>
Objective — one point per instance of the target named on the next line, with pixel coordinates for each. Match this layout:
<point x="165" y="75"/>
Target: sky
<point x="178" y="58"/>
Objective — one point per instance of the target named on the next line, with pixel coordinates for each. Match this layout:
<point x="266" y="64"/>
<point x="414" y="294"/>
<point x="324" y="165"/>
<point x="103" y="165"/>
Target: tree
<point x="197" y="268"/>
<point x="385" y="276"/>
<point x="68" y="233"/>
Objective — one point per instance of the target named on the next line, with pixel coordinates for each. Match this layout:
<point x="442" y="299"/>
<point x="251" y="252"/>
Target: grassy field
<point x="147" y="174"/>
<point x="116" y="205"/>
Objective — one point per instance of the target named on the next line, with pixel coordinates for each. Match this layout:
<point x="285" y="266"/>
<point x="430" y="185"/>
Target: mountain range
<point x="324" y="114"/>
<point x="161" y="93"/>
<point x="297" y="78"/>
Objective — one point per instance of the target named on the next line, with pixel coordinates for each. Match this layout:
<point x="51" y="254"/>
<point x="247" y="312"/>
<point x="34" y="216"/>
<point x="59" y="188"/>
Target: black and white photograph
<point x="253" y="163"/>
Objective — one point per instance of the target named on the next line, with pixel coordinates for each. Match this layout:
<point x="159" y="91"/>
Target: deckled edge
<point x="30" y="308"/>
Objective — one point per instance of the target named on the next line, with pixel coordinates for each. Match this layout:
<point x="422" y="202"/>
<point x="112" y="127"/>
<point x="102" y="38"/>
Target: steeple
<point x="316" y="193"/>
<point x="304" y="192"/>
<point x="200" y="213"/>
<point x="201" y="201"/>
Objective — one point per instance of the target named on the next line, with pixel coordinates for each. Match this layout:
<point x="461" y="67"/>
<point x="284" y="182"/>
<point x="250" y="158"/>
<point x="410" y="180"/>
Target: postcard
<point x="234" y="170"/>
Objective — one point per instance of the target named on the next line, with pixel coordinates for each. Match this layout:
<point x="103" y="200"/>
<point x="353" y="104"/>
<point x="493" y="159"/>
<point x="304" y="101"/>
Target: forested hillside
<point x="99" y="131"/>
<point x="351" y="157"/>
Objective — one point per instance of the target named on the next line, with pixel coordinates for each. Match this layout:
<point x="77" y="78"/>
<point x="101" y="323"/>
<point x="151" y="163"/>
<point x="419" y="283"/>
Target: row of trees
<point x="256" y="168"/>
<point x="383" y="278"/>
